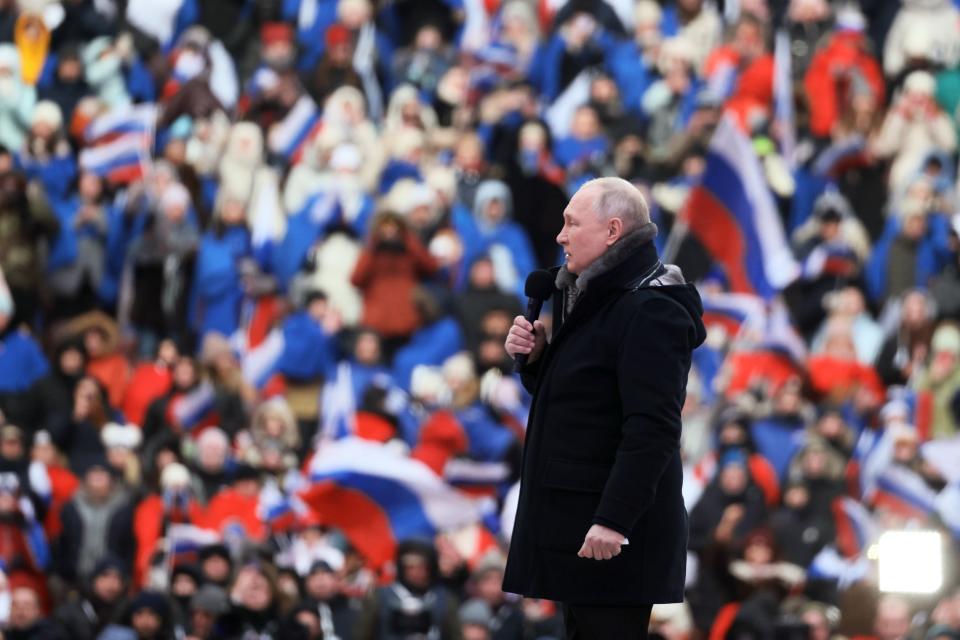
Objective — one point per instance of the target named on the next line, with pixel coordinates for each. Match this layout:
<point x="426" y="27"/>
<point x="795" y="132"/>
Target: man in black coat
<point x="601" y="525"/>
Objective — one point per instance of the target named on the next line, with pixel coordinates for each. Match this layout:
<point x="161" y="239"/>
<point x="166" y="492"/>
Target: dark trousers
<point x="606" y="623"/>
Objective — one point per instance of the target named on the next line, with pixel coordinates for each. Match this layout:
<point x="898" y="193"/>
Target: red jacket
<point x="149" y="382"/>
<point x="387" y="281"/>
<point x="753" y="89"/>
<point x="149" y="522"/>
<point x="828" y="80"/>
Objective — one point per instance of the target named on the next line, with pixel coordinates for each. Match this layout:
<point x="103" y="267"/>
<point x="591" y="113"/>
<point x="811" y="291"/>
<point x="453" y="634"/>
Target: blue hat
<point x="733" y="455"/>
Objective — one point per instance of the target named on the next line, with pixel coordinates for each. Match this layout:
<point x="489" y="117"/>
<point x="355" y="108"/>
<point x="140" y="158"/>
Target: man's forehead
<point x="582" y="200"/>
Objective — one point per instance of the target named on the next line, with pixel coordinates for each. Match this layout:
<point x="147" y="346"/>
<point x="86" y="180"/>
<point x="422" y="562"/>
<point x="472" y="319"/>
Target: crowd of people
<point x="236" y="234"/>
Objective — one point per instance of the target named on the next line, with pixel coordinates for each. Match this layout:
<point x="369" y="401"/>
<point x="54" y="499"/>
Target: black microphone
<point x="538" y="287"/>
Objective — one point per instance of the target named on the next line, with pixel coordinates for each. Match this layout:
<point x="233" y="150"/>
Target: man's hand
<point x="601" y="543"/>
<point x="526" y="338"/>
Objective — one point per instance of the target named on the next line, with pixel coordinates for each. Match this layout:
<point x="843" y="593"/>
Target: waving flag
<point x="733" y="311"/>
<point x="379" y="497"/>
<point x="119" y="143"/>
<point x="948" y="508"/>
<point x="119" y="161"/>
<point x="831" y="565"/>
<point x="903" y="492"/>
<point x="122" y="121"/>
<point x="289" y="137"/>
<point x="733" y="215"/>
<point x="194" y="409"/>
<point x="855" y="526"/>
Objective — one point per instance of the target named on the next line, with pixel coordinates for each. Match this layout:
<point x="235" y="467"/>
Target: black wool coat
<point x="603" y="443"/>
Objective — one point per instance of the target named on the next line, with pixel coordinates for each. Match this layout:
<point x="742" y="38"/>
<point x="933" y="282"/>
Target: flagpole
<point x="677" y="235"/>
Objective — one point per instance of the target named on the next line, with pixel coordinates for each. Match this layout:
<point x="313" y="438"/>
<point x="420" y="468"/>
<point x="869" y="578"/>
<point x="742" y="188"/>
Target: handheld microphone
<point x="538" y="287"/>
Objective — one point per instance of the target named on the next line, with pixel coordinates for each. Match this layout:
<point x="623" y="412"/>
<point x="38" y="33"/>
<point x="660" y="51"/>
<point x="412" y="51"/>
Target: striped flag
<point x="289" y="137"/>
<point x="855" y="526"/>
<point x="903" y="492"/>
<point x="195" y="408"/>
<point x="379" y="497"/>
<point x="733" y="215"/>
<point x="122" y="121"/>
<point x="119" y="161"/>
<point x="733" y="311"/>
<point x="119" y="143"/>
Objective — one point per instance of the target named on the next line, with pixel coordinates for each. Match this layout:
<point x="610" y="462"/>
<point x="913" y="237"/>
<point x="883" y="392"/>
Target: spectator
<point x="101" y="602"/>
<point x="941" y="379"/>
<point x="96" y="526"/>
<point x="391" y="265"/>
<point x="431" y="610"/>
<point x="26" y="618"/>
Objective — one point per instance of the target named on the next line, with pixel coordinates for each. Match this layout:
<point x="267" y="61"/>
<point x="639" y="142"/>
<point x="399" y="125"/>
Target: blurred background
<point x="258" y="259"/>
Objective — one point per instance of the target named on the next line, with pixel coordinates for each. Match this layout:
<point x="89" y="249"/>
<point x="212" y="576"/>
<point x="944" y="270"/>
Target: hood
<point x="492" y="190"/>
<point x="10" y="59"/>
<point x="673" y="284"/>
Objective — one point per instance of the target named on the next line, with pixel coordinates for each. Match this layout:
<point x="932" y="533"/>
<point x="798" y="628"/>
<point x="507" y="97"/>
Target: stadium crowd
<point x="258" y="259"/>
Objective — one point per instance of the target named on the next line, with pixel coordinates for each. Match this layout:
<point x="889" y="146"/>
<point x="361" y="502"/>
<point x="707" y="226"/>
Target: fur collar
<point x="614" y="255"/>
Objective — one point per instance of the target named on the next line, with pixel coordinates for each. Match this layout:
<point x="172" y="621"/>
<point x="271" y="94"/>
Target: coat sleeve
<point x="652" y="371"/>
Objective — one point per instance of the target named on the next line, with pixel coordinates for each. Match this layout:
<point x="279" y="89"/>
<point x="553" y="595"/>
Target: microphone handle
<point x="533" y="312"/>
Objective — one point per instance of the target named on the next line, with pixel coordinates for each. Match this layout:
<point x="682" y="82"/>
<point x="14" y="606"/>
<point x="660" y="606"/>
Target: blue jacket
<point x="22" y="363"/>
<point x="217" y="290"/>
<point x="430" y="346"/>
<point x="56" y="174"/>
<point x="307" y="226"/>
<point x="627" y="68"/>
<point x="308" y="350"/>
<point x="932" y="255"/>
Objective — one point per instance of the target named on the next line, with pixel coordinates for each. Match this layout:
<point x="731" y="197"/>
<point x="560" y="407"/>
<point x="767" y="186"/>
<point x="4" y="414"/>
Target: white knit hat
<point x="47" y="112"/>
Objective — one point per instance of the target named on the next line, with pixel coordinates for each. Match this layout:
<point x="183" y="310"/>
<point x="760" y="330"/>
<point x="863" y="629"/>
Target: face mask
<point x="529" y="161"/>
<point x="189" y="64"/>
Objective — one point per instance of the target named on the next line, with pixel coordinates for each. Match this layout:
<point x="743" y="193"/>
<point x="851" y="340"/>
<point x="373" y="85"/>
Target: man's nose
<point x="562" y="237"/>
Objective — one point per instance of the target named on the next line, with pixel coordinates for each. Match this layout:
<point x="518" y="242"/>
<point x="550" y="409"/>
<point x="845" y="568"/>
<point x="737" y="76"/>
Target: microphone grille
<point x="539" y="285"/>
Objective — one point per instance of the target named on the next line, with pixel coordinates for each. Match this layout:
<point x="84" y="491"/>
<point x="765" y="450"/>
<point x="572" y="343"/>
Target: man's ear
<point x="614" y="230"/>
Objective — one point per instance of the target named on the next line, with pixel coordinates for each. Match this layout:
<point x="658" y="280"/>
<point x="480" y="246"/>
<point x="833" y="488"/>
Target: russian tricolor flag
<point x="733" y="215"/>
<point x="122" y="121"/>
<point x="187" y="539"/>
<point x="288" y="137"/>
<point x="119" y="161"/>
<point x="379" y="497"/>
<point x="903" y="492"/>
<point x="196" y="408"/>
<point x="732" y="311"/>
<point x="855" y="526"/>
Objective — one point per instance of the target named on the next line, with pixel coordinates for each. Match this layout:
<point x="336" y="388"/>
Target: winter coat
<point x="309" y="352"/>
<point x="216" y="281"/>
<point x="150" y="521"/>
<point x="387" y="277"/>
<point x="431" y="345"/>
<point x="844" y="58"/>
<point x="24" y="380"/>
<point x="910" y="141"/>
<point x="25" y="218"/>
<point x="714" y="586"/>
<point x="148" y="382"/>
<point x="17" y="100"/>
<point x="926" y="258"/>
<point x="112" y="519"/>
<point x="936" y="22"/>
<point x="603" y="442"/>
<point x="505" y="241"/>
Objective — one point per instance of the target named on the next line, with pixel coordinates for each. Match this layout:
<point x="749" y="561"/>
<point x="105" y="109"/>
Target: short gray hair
<point x="617" y="198"/>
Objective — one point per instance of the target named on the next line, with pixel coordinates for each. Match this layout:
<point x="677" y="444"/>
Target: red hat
<point x="275" y="32"/>
<point x="337" y="34"/>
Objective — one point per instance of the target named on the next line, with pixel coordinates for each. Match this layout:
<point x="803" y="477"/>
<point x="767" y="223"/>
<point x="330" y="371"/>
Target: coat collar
<point x="634" y="241"/>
